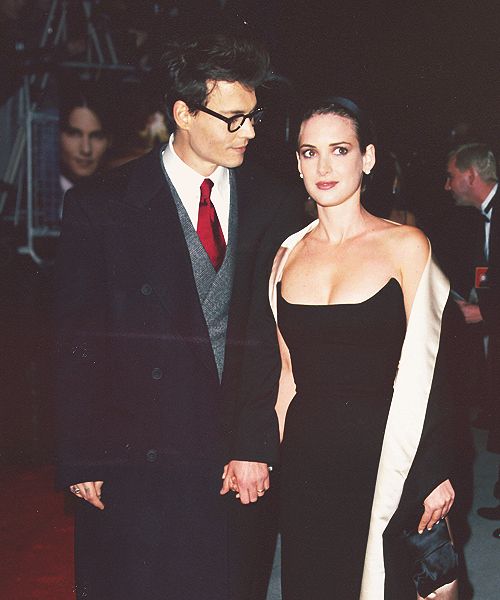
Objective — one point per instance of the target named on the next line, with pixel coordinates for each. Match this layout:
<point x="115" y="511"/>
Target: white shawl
<point x="408" y="406"/>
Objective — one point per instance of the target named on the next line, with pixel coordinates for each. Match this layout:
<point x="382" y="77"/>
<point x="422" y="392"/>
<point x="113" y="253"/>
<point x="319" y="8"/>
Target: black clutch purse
<point x="435" y="560"/>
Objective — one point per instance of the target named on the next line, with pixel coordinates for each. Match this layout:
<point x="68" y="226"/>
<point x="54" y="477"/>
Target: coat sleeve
<point x="435" y="458"/>
<point x="80" y="348"/>
<point x="258" y="434"/>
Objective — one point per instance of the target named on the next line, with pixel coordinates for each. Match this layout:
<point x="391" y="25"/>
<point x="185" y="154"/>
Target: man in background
<point x="472" y="180"/>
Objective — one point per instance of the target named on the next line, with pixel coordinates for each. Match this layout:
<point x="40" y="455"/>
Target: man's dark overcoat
<point x="489" y="303"/>
<point x="466" y="242"/>
<point x="140" y="403"/>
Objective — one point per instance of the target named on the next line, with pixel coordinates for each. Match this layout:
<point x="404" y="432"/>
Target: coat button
<point x="146" y="289"/>
<point x="156" y="373"/>
<point x="152" y="455"/>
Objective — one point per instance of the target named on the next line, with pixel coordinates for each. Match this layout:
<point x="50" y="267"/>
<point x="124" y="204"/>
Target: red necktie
<point x="209" y="229"/>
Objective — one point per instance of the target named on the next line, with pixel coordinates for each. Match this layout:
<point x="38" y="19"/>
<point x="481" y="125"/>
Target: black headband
<point x="348" y="105"/>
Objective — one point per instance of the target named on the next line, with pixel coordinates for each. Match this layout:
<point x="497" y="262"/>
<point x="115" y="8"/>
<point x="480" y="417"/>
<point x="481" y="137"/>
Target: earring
<point x="367" y="172"/>
<point x="301" y="176"/>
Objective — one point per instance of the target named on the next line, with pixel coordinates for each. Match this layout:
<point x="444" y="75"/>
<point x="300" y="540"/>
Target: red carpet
<point x="36" y="533"/>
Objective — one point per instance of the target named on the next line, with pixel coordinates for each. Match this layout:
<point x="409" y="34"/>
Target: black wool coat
<point x="140" y="405"/>
<point x="489" y="303"/>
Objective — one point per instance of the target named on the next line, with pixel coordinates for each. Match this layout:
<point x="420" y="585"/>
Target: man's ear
<point x="472" y="174"/>
<point x="182" y="115"/>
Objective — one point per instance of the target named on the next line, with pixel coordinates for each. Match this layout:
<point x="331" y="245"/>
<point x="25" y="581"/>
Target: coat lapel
<point x="162" y="254"/>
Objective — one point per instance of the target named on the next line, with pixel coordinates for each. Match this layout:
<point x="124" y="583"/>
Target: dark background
<point x="428" y="73"/>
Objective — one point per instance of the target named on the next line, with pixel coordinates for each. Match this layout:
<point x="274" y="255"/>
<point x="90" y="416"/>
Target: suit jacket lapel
<point x="162" y="253"/>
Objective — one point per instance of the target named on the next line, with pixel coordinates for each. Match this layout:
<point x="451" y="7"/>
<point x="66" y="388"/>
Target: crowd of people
<point x="233" y="360"/>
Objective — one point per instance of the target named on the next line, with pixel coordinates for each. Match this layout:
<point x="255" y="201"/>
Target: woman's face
<point x="330" y="160"/>
<point x="82" y="144"/>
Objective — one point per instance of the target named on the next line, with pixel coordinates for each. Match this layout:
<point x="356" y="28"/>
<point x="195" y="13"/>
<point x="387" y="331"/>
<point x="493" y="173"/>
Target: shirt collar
<point x="486" y="206"/>
<point x="186" y="180"/>
<point x="65" y="183"/>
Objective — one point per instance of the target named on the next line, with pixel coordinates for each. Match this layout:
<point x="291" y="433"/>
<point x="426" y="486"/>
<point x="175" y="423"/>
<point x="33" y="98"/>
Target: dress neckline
<point x="372" y="297"/>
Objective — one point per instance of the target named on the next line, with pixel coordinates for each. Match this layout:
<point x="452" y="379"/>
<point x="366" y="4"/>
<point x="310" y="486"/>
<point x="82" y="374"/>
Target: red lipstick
<point x="326" y="185"/>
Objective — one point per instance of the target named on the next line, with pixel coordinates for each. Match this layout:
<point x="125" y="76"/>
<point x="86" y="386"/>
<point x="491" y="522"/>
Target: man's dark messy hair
<point x="190" y="66"/>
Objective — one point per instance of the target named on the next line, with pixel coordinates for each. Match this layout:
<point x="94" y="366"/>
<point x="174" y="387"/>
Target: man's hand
<point x="437" y="505"/>
<point x="89" y="491"/>
<point x="250" y="480"/>
<point x="471" y="312"/>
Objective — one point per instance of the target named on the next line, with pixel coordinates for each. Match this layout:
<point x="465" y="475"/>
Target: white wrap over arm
<point x="408" y="406"/>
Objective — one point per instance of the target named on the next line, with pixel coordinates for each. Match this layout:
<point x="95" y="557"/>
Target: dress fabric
<point x="344" y="359"/>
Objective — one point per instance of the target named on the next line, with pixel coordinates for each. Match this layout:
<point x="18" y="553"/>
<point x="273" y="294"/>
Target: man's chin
<point x="235" y="162"/>
<point x="82" y="174"/>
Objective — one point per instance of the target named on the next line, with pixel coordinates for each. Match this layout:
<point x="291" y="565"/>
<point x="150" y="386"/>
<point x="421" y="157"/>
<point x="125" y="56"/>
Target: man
<point x="472" y="180"/>
<point x="163" y="272"/>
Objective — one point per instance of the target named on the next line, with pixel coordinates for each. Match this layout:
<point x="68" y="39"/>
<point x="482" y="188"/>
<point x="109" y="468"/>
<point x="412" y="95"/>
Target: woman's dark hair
<point x="344" y="107"/>
<point x="187" y="66"/>
<point x="81" y="98"/>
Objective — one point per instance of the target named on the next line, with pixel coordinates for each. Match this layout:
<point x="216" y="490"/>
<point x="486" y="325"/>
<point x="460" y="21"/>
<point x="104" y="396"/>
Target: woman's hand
<point x="249" y="480"/>
<point x="437" y="505"/>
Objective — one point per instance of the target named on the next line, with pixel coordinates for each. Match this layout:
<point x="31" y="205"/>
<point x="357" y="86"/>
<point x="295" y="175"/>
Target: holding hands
<point x="249" y="480"/>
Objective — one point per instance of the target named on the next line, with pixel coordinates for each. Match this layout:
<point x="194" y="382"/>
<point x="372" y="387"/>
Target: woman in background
<point x="348" y="291"/>
<point x="84" y="137"/>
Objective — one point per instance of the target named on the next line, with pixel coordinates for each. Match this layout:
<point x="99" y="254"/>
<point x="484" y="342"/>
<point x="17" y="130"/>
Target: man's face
<point x="458" y="183"/>
<point x="204" y="142"/>
<point x="82" y="144"/>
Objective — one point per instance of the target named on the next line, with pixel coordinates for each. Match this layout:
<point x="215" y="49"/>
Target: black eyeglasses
<point x="236" y="121"/>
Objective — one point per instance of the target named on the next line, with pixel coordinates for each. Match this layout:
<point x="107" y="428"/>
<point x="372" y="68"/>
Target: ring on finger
<point x="75" y="489"/>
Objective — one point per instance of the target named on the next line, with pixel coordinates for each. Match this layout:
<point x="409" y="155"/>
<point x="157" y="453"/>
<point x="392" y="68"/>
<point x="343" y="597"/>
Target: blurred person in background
<point x="84" y="136"/>
<point x="145" y="128"/>
<point x="386" y="196"/>
<point x="471" y="178"/>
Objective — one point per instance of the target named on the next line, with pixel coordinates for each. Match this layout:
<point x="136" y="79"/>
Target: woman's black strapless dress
<point x="344" y="359"/>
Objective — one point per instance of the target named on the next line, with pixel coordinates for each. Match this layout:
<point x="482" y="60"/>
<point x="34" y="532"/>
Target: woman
<point x="84" y="138"/>
<point x="347" y="291"/>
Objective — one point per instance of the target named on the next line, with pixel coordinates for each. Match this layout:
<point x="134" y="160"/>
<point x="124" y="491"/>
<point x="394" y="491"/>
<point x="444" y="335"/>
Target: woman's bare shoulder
<point x="408" y="239"/>
<point x="412" y="250"/>
<point x="402" y="239"/>
<point x="407" y="247"/>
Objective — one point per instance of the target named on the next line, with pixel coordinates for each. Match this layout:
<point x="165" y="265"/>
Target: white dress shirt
<point x="65" y="183"/>
<point x="487" y="224"/>
<point x="187" y="183"/>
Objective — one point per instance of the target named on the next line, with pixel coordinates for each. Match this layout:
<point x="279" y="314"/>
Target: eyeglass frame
<point x="229" y="120"/>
